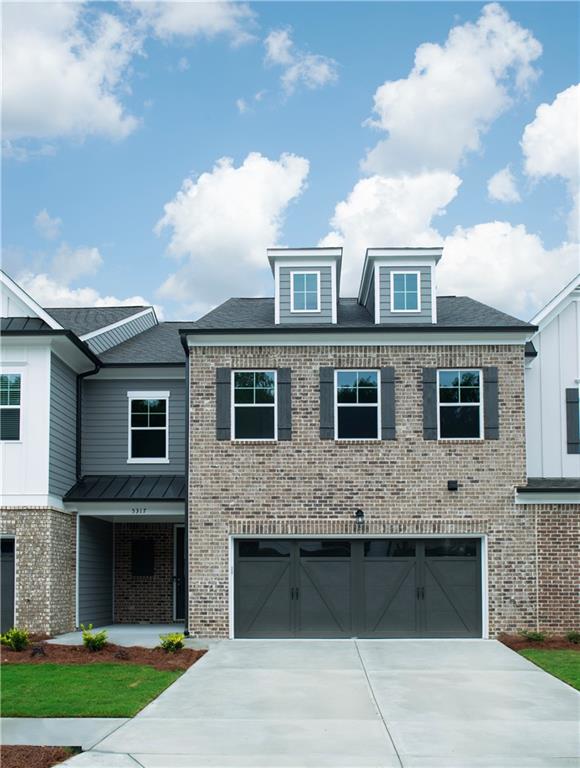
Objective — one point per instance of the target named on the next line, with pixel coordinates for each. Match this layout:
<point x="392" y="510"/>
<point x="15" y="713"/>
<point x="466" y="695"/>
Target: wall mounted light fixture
<point x="359" y="517"/>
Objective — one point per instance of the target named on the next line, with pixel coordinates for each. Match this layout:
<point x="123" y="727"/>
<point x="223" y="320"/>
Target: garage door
<point x="357" y="588"/>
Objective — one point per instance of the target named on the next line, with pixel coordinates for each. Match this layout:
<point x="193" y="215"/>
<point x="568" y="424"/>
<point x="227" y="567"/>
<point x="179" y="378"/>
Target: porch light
<point x="359" y="517"/>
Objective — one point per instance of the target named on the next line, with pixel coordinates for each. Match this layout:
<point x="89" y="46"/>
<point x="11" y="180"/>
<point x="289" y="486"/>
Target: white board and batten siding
<point x="555" y="369"/>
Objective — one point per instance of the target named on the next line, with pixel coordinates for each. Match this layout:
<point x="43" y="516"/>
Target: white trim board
<point x="22" y="296"/>
<point x="118" y="324"/>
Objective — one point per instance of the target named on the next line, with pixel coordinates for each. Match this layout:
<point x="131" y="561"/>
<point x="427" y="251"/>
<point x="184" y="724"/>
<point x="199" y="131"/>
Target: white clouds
<point x="383" y="211"/>
<point x="454" y="92"/>
<point x="71" y="263"/>
<point x="551" y="146"/>
<point x="48" y="227"/>
<point x="242" y="106"/>
<point x="502" y="187"/>
<point x="48" y="292"/>
<point x="62" y="78"/>
<point x="183" y="64"/>
<point x="223" y="221"/>
<point x="300" y="68"/>
<point x="192" y="20"/>
<point x="504" y="265"/>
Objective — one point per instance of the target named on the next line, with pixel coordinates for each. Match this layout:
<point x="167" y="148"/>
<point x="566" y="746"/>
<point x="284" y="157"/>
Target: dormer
<point x="398" y="285"/>
<point x="307" y="282"/>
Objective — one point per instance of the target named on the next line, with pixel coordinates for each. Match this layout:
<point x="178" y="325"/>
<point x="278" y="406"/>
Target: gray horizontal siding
<point x="306" y="318"/>
<point x="424" y="316"/>
<point x="62" y="431"/>
<point x="370" y="305"/>
<point x="95" y="571"/>
<point x="120" y="334"/>
<point x="106" y="426"/>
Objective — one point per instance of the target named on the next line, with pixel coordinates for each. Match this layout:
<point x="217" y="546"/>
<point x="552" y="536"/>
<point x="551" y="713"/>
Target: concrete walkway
<point x="386" y="704"/>
<point x="82" y="732"/>
<point x="144" y="635"/>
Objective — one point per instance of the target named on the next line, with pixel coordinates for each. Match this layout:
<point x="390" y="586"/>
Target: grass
<point x="562" y="664"/>
<point x="80" y="690"/>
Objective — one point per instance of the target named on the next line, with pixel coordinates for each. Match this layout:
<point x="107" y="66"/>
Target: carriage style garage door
<point x="357" y="588"/>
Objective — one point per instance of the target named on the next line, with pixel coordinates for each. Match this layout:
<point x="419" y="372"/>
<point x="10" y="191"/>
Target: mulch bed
<point x="13" y="756"/>
<point x="551" y="643"/>
<point x="48" y="653"/>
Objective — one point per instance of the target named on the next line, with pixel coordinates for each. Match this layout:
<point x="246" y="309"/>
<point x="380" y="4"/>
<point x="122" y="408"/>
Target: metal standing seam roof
<point x="555" y="484"/>
<point x="128" y="488"/>
<point x="23" y="324"/>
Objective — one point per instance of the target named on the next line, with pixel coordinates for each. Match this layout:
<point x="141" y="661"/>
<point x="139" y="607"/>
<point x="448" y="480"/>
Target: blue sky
<point x="116" y="106"/>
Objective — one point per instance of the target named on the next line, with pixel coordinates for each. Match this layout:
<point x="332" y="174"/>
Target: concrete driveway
<point x="430" y="703"/>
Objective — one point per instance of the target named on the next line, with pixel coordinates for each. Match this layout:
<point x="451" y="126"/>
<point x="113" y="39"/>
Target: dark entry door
<point x="179" y="573"/>
<point x="358" y="588"/>
<point x="7" y="589"/>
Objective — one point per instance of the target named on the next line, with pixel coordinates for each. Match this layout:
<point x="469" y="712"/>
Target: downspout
<point x="80" y="378"/>
<point x="185" y="346"/>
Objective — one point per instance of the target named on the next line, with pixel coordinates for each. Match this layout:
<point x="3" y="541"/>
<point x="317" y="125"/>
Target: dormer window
<point x="405" y="291"/>
<point x="305" y="295"/>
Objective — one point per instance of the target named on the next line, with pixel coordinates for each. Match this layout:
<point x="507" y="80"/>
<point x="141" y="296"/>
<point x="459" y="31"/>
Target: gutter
<point x="84" y="348"/>
<point x="304" y="329"/>
<point x="183" y="340"/>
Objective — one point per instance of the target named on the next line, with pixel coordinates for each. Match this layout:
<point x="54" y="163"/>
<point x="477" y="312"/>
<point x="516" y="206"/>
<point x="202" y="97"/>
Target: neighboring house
<point x="355" y="467"/>
<point x="92" y="418"/>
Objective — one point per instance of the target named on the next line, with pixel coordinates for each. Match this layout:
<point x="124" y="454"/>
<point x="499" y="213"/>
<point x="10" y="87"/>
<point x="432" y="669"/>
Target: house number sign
<point x="138" y="510"/>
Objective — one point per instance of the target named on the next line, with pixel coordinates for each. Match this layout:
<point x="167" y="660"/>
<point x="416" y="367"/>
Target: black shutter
<point x="284" y="404"/>
<point x="430" y="403"/>
<point x="490" y="404"/>
<point x="388" y="403"/>
<point x="327" y="403"/>
<point x="223" y="396"/>
<point x="572" y="420"/>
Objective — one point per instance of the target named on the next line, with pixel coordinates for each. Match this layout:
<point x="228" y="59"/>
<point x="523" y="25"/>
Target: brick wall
<point x="144" y="598"/>
<point x="558" y="567"/>
<point x="45" y="568"/>
<point x="308" y="485"/>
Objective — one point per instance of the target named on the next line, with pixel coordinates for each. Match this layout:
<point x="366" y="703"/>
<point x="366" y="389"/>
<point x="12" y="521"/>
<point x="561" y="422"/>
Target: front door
<point x="357" y="588"/>
<point x="179" y="573"/>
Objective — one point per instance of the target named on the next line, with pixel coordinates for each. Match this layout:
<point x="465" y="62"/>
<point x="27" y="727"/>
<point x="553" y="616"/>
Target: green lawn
<point x="80" y="690"/>
<point x="562" y="664"/>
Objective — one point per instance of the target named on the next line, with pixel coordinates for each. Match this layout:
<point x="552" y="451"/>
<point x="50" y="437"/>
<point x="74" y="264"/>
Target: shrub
<point x="573" y="636"/>
<point x="17" y="639"/>
<point x="533" y="637"/>
<point x="94" y="641"/>
<point x="172" y="642"/>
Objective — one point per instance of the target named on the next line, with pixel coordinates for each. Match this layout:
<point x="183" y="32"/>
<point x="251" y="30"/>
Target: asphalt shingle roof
<point x="160" y="344"/>
<point x="458" y="312"/>
<point x="538" y="484"/>
<point x="81" y="320"/>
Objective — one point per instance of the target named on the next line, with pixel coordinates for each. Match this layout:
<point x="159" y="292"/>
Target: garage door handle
<point x="294" y="592"/>
<point x="420" y="593"/>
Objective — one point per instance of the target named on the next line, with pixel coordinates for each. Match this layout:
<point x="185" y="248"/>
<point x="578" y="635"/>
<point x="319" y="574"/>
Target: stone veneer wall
<point x="558" y="566"/>
<point x="308" y="485"/>
<point x="45" y="567"/>
<point x="144" y="598"/>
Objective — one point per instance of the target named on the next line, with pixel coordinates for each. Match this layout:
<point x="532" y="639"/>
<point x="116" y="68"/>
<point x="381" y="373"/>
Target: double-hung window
<point x="10" y="387"/>
<point x="459" y="404"/>
<point x="357" y="405"/>
<point x="305" y="292"/>
<point x="405" y="292"/>
<point x="254" y="405"/>
<point x="148" y="427"/>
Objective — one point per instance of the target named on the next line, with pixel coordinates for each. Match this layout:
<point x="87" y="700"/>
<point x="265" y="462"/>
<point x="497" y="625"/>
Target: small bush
<point x="573" y="636"/>
<point x="17" y="639"/>
<point x="94" y="641"/>
<point x="172" y="642"/>
<point x="533" y="637"/>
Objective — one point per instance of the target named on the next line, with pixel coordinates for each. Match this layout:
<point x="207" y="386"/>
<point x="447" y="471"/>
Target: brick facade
<point x="45" y="567"/>
<point x="144" y="598"/>
<point x="558" y="534"/>
<point x="312" y="486"/>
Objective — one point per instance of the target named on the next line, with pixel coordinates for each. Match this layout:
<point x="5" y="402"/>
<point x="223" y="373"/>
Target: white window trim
<point x="358" y="405"/>
<point x="405" y="272"/>
<point x="10" y="372"/>
<point x="444" y="405"/>
<point x="148" y="395"/>
<point x="233" y="407"/>
<point x="318" y="304"/>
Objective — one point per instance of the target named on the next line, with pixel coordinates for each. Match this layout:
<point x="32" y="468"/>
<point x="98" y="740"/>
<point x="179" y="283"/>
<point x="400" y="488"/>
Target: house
<point x="552" y="379"/>
<point x="299" y="466"/>
<point x="92" y="416"/>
